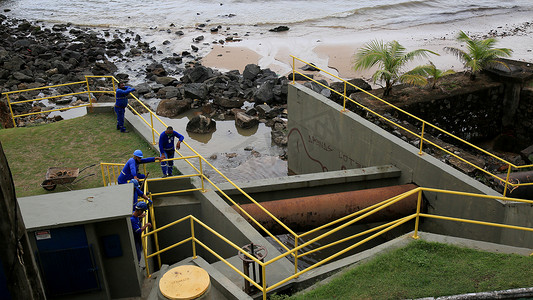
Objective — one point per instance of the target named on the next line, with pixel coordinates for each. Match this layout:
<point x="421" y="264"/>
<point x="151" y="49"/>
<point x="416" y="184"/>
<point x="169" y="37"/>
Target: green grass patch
<point x="74" y="143"/>
<point x="424" y="269"/>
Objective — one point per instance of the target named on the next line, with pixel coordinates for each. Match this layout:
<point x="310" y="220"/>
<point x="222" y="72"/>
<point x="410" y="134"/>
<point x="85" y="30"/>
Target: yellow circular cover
<point x="184" y="282"/>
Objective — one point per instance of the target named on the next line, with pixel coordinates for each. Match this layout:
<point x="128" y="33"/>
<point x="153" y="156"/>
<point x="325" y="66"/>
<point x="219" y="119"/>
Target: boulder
<point x="251" y="71"/>
<point x="197" y="74"/>
<point x="339" y="87"/>
<point x="201" y="124"/>
<point x="172" y="107"/>
<point x="228" y="103"/>
<point x="300" y="77"/>
<point x="245" y="121"/>
<point x="169" y="92"/>
<point x="264" y="93"/>
<point x="166" y="81"/>
<point x="195" y="91"/>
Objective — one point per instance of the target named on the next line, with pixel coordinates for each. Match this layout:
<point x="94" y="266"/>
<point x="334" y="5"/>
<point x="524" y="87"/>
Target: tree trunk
<point x="23" y="280"/>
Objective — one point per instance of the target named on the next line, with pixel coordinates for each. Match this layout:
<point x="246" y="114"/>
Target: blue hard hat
<point x="138" y="153"/>
<point x="141" y="205"/>
<point x="135" y="182"/>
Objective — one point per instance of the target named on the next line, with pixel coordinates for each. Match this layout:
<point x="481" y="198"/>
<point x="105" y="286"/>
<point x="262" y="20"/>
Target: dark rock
<point x="300" y="77"/>
<point x="195" y="91"/>
<point x="199" y="38"/>
<point x="104" y="68"/>
<point x="264" y="93"/>
<point x="245" y="121"/>
<point x="251" y="71"/>
<point x="279" y="29"/>
<point x="228" y="103"/>
<point x="527" y="154"/>
<point x="143" y="88"/>
<point x="310" y="67"/>
<point x="201" y="124"/>
<point x="173" y="60"/>
<point x="14" y="64"/>
<point x="194" y="48"/>
<point x="339" y="87"/>
<point x="172" y="107"/>
<point x="169" y="92"/>
<point x="166" y="81"/>
<point x="122" y="77"/>
<point x="22" y="77"/>
<point x="197" y="74"/>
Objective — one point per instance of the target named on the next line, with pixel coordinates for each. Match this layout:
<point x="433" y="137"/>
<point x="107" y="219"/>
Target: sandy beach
<point x="333" y="49"/>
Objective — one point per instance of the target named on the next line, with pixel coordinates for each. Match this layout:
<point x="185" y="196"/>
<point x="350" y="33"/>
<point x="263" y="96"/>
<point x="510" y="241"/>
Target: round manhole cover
<point x="184" y="282"/>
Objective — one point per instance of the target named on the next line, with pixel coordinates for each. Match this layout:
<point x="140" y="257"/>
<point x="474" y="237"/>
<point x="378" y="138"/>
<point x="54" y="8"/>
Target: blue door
<point x="66" y="261"/>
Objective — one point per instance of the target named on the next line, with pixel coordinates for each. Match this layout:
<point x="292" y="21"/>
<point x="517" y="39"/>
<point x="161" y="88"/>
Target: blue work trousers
<point x="120" y="117"/>
<point x="167" y="166"/>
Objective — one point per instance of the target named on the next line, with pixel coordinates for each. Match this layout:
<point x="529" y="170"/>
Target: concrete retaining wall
<point x="321" y="138"/>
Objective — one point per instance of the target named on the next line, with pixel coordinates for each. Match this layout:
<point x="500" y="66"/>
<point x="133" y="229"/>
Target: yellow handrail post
<point x="263" y="274"/>
<point x="89" y="95"/>
<point x="293" y="72"/>
<point x="201" y="175"/>
<point x="103" y="174"/>
<point x="11" y="110"/>
<point x="193" y="239"/>
<point x="152" y="126"/>
<point x="295" y="254"/>
<point x="507" y="180"/>
<point x="418" y="205"/>
<point x="154" y="225"/>
<point x="145" y="252"/>
<point x="114" y="176"/>
<point x="422" y="137"/>
<point x="344" y="98"/>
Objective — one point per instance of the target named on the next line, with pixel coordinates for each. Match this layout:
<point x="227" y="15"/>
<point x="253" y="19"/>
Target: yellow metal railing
<point x="508" y="185"/>
<point x="83" y="86"/>
<point x="202" y="160"/>
<point x="351" y="219"/>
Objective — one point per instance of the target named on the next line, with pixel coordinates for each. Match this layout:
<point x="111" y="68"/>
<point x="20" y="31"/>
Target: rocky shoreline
<point x="33" y="56"/>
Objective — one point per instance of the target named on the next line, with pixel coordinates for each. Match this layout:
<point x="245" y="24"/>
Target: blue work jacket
<point x="122" y="96"/>
<point x="166" y="143"/>
<point x="131" y="169"/>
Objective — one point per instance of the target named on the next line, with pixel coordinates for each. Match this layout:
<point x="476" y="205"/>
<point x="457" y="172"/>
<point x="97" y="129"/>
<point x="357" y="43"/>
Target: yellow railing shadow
<point x="506" y="182"/>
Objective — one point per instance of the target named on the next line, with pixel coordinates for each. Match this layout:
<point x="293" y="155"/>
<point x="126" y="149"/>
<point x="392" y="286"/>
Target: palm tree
<point x="390" y="57"/>
<point x="479" y="55"/>
<point x="431" y="72"/>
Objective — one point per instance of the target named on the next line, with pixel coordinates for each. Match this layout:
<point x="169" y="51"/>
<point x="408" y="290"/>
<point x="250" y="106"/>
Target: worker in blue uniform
<point x="137" y="192"/>
<point x="131" y="169"/>
<point x="166" y="148"/>
<point x="121" y="94"/>
<point x="135" y="219"/>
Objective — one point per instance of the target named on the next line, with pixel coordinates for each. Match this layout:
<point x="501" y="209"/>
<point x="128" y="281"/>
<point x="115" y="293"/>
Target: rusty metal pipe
<point x="305" y="213"/>
<point x="520" y="192"/>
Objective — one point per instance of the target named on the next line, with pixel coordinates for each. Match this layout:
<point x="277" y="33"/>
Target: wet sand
<point x="333" y="49"/>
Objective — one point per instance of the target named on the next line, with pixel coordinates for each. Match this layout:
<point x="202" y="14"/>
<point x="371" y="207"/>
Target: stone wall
<point x="524" y="115"/>
<point x="472" y="116"/>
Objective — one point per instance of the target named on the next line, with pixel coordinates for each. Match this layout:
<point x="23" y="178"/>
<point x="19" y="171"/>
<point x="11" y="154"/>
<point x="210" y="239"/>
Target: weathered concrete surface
<point x="321" y="138"/>
<point x="269" y="189"/>
<point x="76" y="207"/>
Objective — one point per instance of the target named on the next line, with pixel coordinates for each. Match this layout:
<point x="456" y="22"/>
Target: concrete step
<point x="274" y="273"/>
<point x="175" y="200"/>
<point x="220" y="286"/>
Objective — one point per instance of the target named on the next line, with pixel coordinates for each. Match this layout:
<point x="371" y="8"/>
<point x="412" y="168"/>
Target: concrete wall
<point x="321" y="138"/>
<point x="113" y="273"/>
